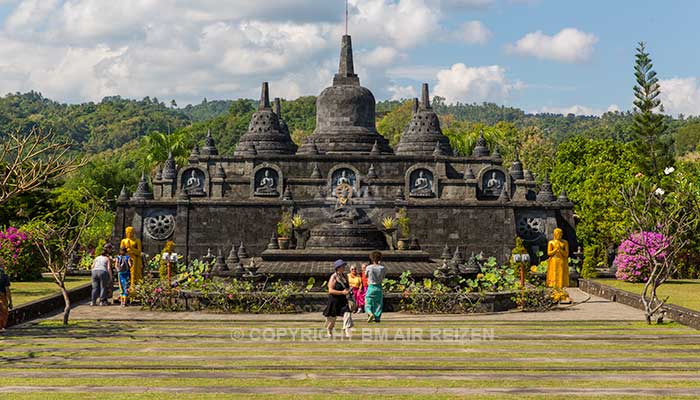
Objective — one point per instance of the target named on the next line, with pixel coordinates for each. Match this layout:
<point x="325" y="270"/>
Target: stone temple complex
<point x="343" y="180"/>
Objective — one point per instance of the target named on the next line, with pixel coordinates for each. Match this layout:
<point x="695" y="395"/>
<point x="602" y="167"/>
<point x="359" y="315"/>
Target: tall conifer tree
<point x="649" y="125"/>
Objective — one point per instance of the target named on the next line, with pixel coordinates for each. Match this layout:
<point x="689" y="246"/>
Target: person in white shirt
<point x="374" y="299"/>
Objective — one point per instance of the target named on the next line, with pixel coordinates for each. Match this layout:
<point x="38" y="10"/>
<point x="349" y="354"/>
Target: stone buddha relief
<point x="343" y="176"/>
<point x="421" y="183"/>
<point x="266" y="183"/>
<point x="493" y="183"/>
<point x="193" y="182"/>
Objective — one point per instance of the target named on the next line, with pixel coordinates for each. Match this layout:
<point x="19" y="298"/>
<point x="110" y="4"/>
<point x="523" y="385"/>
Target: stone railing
<point x="47" y="305"/>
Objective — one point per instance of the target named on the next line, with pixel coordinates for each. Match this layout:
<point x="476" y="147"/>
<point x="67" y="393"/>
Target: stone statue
<point x="163" y="267"/>
<point x="494" y="185"/>
<point x="267" y="186"/>
<point x="558" y="267"/>
<point x="133" y="249"/>
<point x="343" y="212"/>
<point x="422" y="187"/>
<point x="193" y="185"/>
<point x="343" y="179"/>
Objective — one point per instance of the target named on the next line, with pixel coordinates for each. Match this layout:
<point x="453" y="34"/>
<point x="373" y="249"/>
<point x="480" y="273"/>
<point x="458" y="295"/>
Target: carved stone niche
<point x="492" y="182"/>
<point x="421" y="182"/>
<point x="344" y="174"/>
<point x="194" y="181"/>
<point x="159" y="224"/>
<point x="267" y="181"/>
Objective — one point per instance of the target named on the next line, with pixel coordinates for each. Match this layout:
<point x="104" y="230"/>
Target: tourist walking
<point x="358" y="288"/>
<point x="5" y="298"/>
<point x="338" y="289"/>
<point x="101" y="276"/>
<point x="374" y="299"/>
<point x="123" y="267"/>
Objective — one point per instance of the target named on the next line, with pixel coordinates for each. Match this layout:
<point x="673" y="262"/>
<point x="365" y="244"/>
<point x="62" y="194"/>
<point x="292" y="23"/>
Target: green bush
<point x="592" y="257"/>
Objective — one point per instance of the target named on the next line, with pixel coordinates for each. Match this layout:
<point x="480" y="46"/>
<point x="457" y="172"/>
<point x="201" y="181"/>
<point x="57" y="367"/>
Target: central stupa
<point x="345" y="115"/>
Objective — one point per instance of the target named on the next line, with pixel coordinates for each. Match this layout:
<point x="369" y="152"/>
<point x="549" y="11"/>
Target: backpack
<point x="123" y="263"/>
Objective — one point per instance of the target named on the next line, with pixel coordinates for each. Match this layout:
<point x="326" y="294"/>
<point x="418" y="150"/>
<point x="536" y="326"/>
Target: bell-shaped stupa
<point x="423" y="135"/>
<point x="265" y="133"/>
<point x="345" y="114"/>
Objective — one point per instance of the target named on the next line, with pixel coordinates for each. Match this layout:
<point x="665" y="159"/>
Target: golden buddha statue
<point x="133" y="249"/>
<point x="163" y="267"/>
<point x="558" y="267"/>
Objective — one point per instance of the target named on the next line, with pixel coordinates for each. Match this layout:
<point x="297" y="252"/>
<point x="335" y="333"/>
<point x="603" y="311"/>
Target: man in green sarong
<point x="374" y="299"/>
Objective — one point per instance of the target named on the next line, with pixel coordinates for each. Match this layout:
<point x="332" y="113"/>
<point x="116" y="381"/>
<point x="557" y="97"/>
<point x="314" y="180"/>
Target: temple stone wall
<point x="490" y="229"/>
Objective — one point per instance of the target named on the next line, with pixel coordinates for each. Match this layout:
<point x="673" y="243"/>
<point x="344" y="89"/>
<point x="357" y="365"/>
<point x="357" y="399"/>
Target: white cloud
<point x="379" y="57"/>
<point x="473" y="32"/>
<point x="576" y="109"/>
<point x="404" y="23"/>
<point x="569" y="45"/>
<point x="29" y="14"/>
<point x="421" y="73"/>
<point x="613" y="108"/>
<point x="681" y="95"/>
<point x="466" y="84"/>
<point x="82" y="50"/>
<point x="402" y="92"/>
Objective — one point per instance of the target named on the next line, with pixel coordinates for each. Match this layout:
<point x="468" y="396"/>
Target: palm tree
<point x="158" y="145"/>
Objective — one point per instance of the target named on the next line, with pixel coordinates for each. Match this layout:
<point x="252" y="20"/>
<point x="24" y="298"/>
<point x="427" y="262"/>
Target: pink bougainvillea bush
<point x="18" y="255"/>
<point x="632" y="262"/>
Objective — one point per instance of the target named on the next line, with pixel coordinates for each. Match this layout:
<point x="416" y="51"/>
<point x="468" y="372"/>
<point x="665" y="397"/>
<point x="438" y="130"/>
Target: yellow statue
<point x="133" y="249"/>
<point x="163" y="267"/>
<point x="558" y="268"/>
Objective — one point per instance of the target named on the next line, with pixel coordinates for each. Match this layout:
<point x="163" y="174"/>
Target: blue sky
<point x="546" y="55"/>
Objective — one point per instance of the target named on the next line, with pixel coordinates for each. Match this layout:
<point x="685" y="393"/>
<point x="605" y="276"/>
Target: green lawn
<point x="24" y="292"/>
<point x="153" y="356"/>
<point x="682" y="292"/>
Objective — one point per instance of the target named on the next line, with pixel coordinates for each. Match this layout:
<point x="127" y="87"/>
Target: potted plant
<point x="389" y="225"/>
<point x="284" y="229"/>
<point x="403" y="221"/>
<point x="300" y="230"/>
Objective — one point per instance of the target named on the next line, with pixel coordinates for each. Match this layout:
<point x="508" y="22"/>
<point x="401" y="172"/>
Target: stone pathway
<point x="594" y="349"/>
<point x="594" y="308"/>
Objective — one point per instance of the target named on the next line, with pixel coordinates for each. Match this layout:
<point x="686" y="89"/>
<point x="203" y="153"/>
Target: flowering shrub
<point x="631" y="260"/>
<point x="18" y="256"/>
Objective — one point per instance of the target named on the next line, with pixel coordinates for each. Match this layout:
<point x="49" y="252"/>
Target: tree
<point x="649" y="126"/>
<point x="57" y="241"/>
<point x="688" y="138"/>
<point x="592" y="172"/>
<point x="394" y="123"/>
<point x="158" y="146"/>
<point x="28" y="161"/>
<point x="671" y="213"/>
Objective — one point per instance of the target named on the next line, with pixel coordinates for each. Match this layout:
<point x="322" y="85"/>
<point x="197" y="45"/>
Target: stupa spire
<point x="278" y="107"/>
<point x="425" y="97"/>
<point x="346" y="69"/>
<point x="264" y="97"/>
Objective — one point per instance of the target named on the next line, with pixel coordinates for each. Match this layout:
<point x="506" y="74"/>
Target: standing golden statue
<point x="133" y="249"/>
<point x="558" y="267"/>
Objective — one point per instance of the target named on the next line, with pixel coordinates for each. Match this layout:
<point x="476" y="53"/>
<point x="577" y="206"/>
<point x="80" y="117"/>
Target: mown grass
<point x="322" y="382"/>
<point x="106" y="356"/>
<point x="24" y="292"/>
<point x="681" y="292"/>
<point x="225" y="396"/>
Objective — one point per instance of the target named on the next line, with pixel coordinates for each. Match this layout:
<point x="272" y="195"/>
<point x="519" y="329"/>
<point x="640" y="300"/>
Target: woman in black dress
<point x="337" y="306"/>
